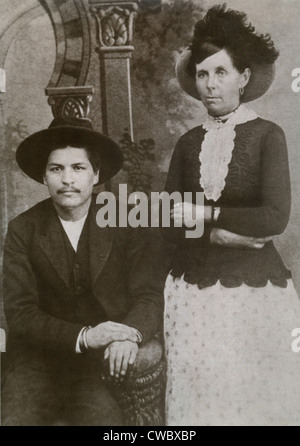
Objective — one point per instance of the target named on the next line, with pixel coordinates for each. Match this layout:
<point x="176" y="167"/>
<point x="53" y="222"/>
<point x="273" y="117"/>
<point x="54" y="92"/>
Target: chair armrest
<point x="141" y="393"/>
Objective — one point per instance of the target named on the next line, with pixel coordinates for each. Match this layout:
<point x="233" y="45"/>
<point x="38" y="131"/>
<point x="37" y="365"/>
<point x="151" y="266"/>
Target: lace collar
<point x="217" y="147"/>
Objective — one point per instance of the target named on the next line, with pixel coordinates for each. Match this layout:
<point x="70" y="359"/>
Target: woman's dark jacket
<point x="255" y="202"/>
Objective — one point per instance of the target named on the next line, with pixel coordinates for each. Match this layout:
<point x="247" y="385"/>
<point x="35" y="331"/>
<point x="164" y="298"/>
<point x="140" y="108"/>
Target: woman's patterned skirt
<point x="233" y="357"/>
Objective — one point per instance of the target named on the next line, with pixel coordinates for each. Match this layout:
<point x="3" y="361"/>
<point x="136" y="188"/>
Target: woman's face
<point x="218" y="83"/>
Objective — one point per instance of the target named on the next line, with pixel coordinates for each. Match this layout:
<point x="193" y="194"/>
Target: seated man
<point x="74" y="293"/>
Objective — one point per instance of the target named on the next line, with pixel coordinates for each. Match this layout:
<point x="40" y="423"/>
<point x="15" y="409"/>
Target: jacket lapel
<point x="100" y="243"/>
<point x="52" y="244"/>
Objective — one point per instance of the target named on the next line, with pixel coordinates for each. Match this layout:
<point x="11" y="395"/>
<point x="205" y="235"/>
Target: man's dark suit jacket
<point x="37" y="295"/>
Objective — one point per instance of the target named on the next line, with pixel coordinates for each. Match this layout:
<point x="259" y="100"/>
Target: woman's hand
<point x="225" y="238"/>
<point x="188" y="214"/>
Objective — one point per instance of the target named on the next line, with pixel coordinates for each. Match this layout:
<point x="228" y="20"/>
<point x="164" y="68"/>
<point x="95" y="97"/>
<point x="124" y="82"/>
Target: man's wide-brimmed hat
<point x="262" y="76"/>
<point x="32" y="154"/>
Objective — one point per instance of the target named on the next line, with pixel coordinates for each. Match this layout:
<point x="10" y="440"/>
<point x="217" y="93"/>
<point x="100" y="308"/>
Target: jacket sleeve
<point x="148" y="257"/>
<point x="26" y="320"/>
<point x="271" y="217"/>
<point x="175" y="184"/>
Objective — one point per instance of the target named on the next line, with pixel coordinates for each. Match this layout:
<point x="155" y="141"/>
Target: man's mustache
<point x="63" y="191"/>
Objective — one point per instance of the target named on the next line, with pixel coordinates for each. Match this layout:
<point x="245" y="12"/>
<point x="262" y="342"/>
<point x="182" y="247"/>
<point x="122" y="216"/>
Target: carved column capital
<point x="114" y="29"/>
<point x="114" y="21"/>
<point x="70" y="102"/>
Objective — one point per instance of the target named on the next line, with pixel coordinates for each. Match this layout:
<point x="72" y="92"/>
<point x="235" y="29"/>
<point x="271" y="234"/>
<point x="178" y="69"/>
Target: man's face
<point x="70" y="177"/>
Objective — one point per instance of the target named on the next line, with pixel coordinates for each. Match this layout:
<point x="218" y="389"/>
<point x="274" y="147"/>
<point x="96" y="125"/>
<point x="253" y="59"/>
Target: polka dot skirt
<point x="229" y="355"/>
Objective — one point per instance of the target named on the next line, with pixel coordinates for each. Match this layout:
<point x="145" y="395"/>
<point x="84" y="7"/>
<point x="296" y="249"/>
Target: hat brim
<point x="260" y="81"/>
<point x="32" y="154"/>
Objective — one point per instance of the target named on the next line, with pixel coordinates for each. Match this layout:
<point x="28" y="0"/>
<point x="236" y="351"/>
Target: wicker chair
<point x="141" y="393"/>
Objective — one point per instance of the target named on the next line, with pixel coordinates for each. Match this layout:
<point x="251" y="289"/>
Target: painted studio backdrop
<point x="114" y="62"/>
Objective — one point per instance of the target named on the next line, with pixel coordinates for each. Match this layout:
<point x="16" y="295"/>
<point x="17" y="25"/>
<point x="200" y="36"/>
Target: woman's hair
<point x="229" y="30"/>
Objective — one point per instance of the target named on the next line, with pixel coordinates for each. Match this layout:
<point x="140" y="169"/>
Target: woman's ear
<point x="245" y="77"/>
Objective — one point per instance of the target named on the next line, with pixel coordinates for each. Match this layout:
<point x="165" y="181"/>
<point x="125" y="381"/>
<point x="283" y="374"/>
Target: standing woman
<point x="230" y="303"/>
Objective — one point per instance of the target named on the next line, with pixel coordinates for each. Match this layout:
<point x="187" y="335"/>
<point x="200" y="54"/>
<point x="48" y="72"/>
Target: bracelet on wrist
<point x="84" y="345"/>
<point x="216" y="213"/>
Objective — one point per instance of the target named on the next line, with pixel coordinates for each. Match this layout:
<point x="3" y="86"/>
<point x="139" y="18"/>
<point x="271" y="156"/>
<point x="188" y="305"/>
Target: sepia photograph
<point x="150" y="213"/>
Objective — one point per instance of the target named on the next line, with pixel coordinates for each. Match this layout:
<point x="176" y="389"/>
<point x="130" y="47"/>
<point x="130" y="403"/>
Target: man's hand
<point x="120" y="354"/>
<point x="107" y="332"/>
<point x="225" y="238"/>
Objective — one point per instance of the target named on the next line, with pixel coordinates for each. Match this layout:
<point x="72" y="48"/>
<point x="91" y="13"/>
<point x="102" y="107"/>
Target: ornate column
<point x="114" y="28"/>
<point x="70" y="101"/>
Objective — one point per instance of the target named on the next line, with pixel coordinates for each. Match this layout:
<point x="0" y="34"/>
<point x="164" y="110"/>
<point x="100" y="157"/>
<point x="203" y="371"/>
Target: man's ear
<point x="96" y="177"/>
<point x="44" y="180"/>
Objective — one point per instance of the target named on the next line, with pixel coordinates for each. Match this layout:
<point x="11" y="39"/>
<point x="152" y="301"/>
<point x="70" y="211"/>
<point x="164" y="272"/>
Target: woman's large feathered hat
<point x="32" y="154"/>
<point x="229" y="29"/>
